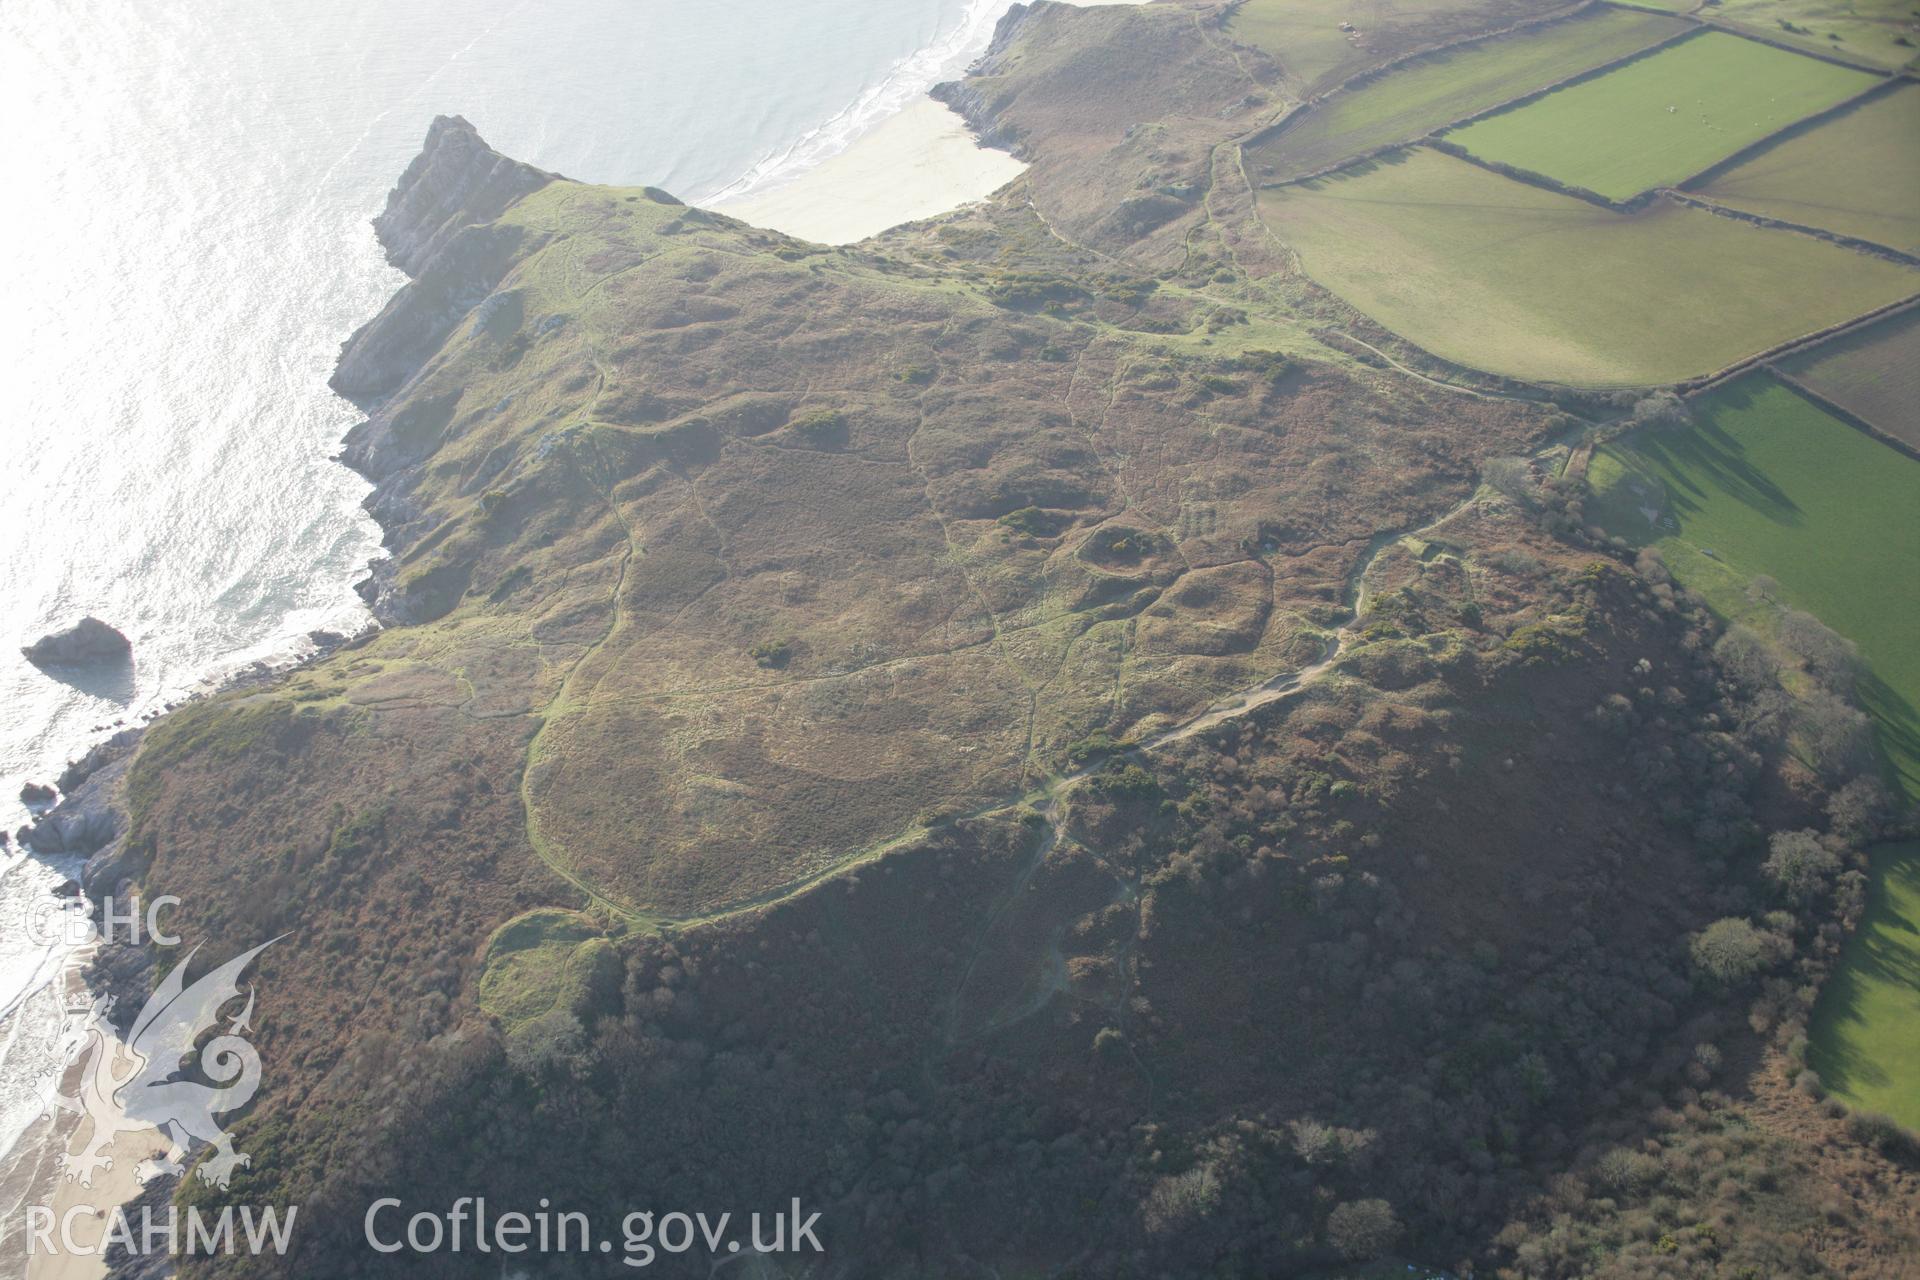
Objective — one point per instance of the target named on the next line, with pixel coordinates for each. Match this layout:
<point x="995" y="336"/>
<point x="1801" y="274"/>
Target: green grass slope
<point x="1857" y="174"/>
<point x="1864" y="1040"/>
<point x="1518" y="280"/>
<point x="1768" y="483"/>
<point x="1421" y="96"/>
<point x="1663" y="118"/>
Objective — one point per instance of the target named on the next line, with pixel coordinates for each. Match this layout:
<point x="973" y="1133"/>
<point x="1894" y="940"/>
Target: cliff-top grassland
<point x="1073" y="737"/>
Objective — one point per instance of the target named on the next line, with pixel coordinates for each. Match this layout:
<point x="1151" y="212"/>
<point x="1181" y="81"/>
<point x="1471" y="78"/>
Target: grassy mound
<point x="538" y="963"/>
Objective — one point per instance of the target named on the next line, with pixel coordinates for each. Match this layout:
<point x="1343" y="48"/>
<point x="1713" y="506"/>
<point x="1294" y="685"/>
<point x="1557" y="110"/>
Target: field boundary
<point x="1553" y="391"/>
<point x="1761" y="37"/>
<point x="1787" y="133"/>
<point x="1513" y="173"/>
<point x="1580" y="77"/>
<point x="1840" y="411"/>
<point x="1639" y="200"/>
<point x="1406" y="356"/>
<point x="1888" y="82"/>
<point x="1360" y="80"/>
<point x="1872" y="248"/>
<point x="1707" y="382"/>
<point x="1432" y="137"/>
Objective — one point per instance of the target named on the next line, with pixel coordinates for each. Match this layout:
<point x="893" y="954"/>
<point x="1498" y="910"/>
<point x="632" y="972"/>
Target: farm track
<point x="1267" y="692"/>
<point x="1273" y="689"/>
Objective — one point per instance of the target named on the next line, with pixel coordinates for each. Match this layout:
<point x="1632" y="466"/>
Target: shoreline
<point x="922" y="161"/>
<point x="32" y="1175"/>
<point x="919" y="162"/>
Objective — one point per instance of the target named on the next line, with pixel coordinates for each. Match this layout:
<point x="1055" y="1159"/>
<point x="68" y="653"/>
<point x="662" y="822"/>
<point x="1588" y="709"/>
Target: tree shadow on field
<point x="1885" y="949"/>
<point x="1899" y="724"/>
<point x="1707" y="456"/>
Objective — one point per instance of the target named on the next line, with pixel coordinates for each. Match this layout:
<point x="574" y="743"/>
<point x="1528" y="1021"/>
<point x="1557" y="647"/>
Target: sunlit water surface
<point x="184" y="244"/>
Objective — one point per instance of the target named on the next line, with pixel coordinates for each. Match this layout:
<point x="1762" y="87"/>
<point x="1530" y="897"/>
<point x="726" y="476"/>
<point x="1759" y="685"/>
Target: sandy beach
<point x="917" y="163"/>
<point x="34" y="1178"/>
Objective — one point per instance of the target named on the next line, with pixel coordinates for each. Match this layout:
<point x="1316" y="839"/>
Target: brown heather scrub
<point x="787" y="772"/>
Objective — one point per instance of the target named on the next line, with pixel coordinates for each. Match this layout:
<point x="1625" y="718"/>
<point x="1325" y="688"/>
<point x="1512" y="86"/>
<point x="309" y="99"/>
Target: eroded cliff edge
<point x="435" y="228"/>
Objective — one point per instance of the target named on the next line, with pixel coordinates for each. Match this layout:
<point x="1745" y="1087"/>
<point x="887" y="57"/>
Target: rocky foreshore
<point x="438" y="227"/>
<point x="966" y="98"/>
<point x="456" y="182"/>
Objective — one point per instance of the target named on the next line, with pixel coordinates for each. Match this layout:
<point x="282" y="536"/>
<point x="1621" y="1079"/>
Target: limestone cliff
<point x="965" y="95"/>
<point x="455" y="181"/>
<point x="435" y="229"/>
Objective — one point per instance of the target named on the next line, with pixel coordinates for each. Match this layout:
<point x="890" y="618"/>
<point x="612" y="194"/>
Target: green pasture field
<point x="1514" y="279"/>
<point x="1420" y="96"/>
<point x="1861" y="30"/>
<point x="1874" y="373"/>
<point x="1864" y="1040"/>
<point x="1305" y="38"/>
<point x="1766" y="482"/>
<point x="1663" y="118"/>
<point x="1857" y="173"/>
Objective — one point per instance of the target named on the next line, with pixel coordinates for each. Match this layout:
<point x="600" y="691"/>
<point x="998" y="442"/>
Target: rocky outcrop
<point x="966" y="98"/>
<point x="437" y="228"/>
<point x="87" y="822"/>
<point x="98" y="757"/>
<point x="88" y="642"/>
<point x="386" y="351"/>
<point x="456" y="180"/>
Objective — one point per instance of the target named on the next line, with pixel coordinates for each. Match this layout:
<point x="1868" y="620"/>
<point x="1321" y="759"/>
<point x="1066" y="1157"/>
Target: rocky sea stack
<point x="88" y="642"/>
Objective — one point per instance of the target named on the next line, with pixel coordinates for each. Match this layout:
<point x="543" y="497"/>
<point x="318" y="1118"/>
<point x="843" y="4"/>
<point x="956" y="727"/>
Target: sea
<point x="184" y="239"/>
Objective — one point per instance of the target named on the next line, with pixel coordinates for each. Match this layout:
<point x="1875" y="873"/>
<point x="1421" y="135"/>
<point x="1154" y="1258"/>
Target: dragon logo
<point x="136" y="1085"/>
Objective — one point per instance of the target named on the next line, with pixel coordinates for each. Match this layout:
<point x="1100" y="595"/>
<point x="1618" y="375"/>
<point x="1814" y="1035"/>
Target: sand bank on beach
<point x="917" y="163"/>
<point x="33" y="1177"/>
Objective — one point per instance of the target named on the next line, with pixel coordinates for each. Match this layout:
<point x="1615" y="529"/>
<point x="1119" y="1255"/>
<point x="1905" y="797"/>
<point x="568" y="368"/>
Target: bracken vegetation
<point x="1052" y="738"/>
